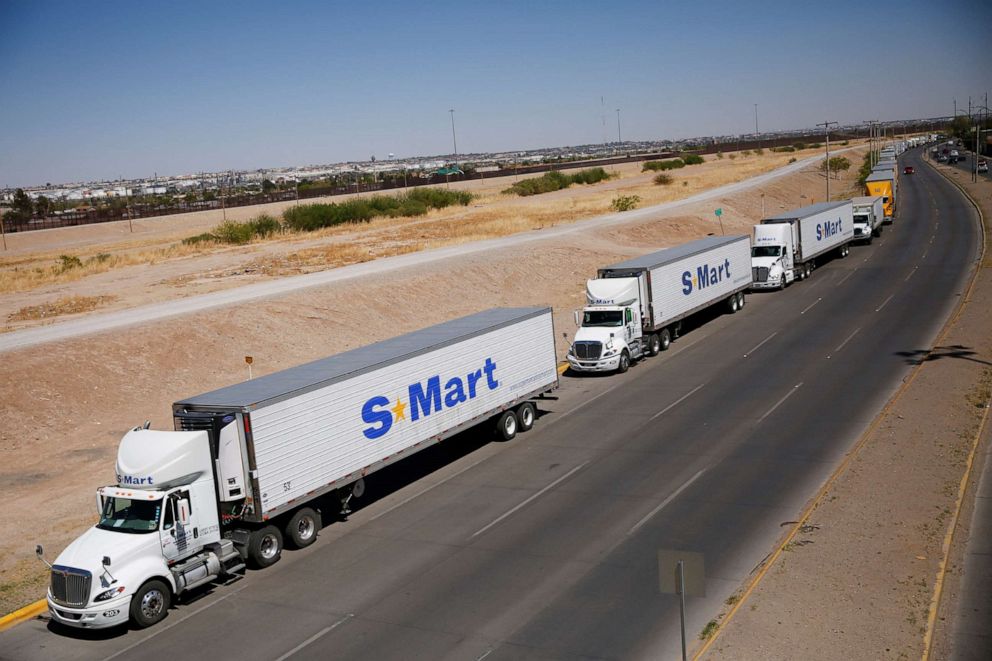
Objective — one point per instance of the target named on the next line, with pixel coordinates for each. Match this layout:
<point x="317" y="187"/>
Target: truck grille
<point x="587" y="350"/>
<point x="759" y="273"/>
<point x="70" y="587"/>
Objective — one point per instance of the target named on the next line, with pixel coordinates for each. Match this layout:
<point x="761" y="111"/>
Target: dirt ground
<point x="67" y="404"/>
<point x="857" y="581"/>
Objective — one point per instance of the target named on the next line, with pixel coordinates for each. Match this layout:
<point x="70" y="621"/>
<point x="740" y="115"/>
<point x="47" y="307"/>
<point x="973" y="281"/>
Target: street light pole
<point x="756" y="123"/>
<point x="454" y="140"/>
<point x="826" y="131"/>
<point x="618" y="130"/>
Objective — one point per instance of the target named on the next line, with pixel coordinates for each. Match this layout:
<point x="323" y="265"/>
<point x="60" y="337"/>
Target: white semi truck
<point x="635" y="308"/>
<point x="868" y="214"/>
<point x="248" y="466"/>
<point x="786" y="246"/>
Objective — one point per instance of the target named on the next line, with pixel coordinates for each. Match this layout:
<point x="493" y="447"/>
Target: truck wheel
<point x="526" y="415"/>
<point x="150" y="604"/>
<point x="264" y="547"/>
<point x="506" y="425"/>
<point x="624" y="364"/>
<point x="665" y="339"/>
<point x="654" y="345"/>
<point x="740" y="300"/>
<point x="732" y="303"/>
<point x="302" y="527"/>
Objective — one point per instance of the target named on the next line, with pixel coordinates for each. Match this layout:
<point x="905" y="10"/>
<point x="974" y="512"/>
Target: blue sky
<point x="108" y="89"/>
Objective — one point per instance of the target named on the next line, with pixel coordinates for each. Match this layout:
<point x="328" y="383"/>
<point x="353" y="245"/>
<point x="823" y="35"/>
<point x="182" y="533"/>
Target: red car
<point x="908" y="170"/>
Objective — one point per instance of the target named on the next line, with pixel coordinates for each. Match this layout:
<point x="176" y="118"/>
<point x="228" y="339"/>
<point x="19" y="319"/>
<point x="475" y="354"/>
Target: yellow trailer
<point x="883" y="184"/>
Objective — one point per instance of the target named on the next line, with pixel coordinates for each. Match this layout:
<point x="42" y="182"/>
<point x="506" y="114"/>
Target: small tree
<point x="268" y="186"/>
<point x="43" y="206"/>
<point x="837" y="164"/>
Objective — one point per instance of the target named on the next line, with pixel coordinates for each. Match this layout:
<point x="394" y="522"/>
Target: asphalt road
<point x="547" y="547"/>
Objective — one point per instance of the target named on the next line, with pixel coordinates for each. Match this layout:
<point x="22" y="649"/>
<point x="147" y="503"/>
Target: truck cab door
<point x="632" y="325"/>
<point x="179" y="532"/>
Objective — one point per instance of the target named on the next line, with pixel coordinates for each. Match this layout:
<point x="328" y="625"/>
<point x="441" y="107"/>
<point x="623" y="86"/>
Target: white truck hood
<point x="598" y="334"/>
<point x="766" y="262"/>
<point x="87" y="550"/>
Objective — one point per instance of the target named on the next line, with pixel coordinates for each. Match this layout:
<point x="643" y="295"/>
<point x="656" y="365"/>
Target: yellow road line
<point x="808" y="510"/>
<point x="23" y="614"/>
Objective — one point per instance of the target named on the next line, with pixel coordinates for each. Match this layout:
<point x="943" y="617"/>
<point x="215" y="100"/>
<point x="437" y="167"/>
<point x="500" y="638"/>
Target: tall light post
<point x="756" y="123"/>
<point x="619" y="141"/>
<point x="454" y="141"/>
<point x="826" y="131"/>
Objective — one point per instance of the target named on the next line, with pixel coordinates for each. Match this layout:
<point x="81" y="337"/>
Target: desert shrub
<point x="719" y="154"/>
<point x="554" y="180"/>
<point x="69" y="262"/>
<point x="264" y="225"/>
<point x="685" y="183"/>
<point x="669" y="164"/>
<point x="815" y="145"/>
<point x="662" y="179"/>
<point x="799" y="145"/>
<point x="693" y="159"/>
<point x="731" y="156"/>
<point x="845" y="143"/>
<point x="792" y="160"/>
<point x="746" y="152"/>
<point x="783" y="149"/>
<point x="625" y="202"/>
<point x="102" y="257"/>
<point x="206" y="237"/>
<point x="590" y="176"/>
<point x="234" y="232"/>
<point x="759" y="151"/>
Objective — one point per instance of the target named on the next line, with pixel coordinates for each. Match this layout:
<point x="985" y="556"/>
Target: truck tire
<point x="624" y="363"/>
<point x="526" y="416"/>
<point x="740" y="300"/>
<point x="303" y="527"/>
<point x="150" y="604"/>
<point x="654" y="345"/>
<point x="507" y="425"/>
<point x="264" y="547"/>
<point x="665" y="339"/>
<point x="732" y="303"/>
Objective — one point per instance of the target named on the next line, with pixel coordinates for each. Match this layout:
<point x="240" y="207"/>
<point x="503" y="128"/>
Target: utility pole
<point x="454" y="141"/>
<point x="826" y="131"/>
<point x="756" y="123"/>
<point x="618" y="130"/>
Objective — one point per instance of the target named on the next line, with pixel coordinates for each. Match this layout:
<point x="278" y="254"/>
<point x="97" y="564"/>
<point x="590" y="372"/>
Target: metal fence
<point x="394" y="181"/>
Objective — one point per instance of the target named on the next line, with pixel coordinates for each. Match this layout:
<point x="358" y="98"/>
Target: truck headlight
<point x="109" y="594"/>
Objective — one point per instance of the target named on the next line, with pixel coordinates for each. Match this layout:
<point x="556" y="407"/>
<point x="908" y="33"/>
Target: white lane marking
<point x="314" y="637"/>
<point x="758" y="346"/>
<point x="585" y="403"/>
<point x="849" y="338"/>
<point x="806" y="309"/>
<point x="661" y="506"/>
<point x="491" y="650"/>
<point x="423" y="491"/>
<point x="779" y="402"/>
<point x="163" y="629"/>
<point x="884" y="302"/>
<point x="924" y="255"/>
<point x="911" y="274"/>
<point x="850" y="273"/>
<point x="675" y="403"/>
<point x="532" y="498"/>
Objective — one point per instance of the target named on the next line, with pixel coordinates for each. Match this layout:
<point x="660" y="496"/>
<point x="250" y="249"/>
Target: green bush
<point x="693" y="159"/>
<point x="662" y="179"/>
<point x="784" y="149"/>
<point x="759" y="151"/>
<point x="815" y="145"/>
<point x="554" y="180"/>
<point x="264" y="225"/>
<point x="206" y="237"/>
<point x="625" y="202"/>
<point x="670" y="164"/>
<point x="799" y="145"/>
<point x="731" y="156"/>
<point x="68" y="262"/>
<point x="309" y="217"/>
<point x="234" y="232"/>
<point x="792" y="160"/>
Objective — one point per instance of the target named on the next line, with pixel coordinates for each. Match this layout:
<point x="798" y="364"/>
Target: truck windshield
<point x="859" y="218"/>
<point x="132" y="516"/>
<point x="766" y="251"/>
<point x="602" y="318"/>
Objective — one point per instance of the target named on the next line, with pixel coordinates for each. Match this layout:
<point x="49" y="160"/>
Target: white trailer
<point x="635" y="308"/>
<point x="787" y="246"/>
<point x="250" y="464"/>
<point x="869" y="216"/>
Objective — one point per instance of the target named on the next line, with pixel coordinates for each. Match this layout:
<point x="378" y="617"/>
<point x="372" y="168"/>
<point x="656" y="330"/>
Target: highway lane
<point x="547" y="547"/>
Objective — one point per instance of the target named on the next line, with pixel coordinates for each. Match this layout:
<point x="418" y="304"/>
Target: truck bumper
<point x="767" y="284"/>
<point x="110" y="613"/>
<point x="603" y="365"/>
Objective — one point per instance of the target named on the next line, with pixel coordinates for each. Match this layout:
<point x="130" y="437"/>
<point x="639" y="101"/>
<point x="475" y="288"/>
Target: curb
<point x="24" y="614"/>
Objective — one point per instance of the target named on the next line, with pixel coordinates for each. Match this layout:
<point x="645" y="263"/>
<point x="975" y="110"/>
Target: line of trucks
<point x="251" y="467"/>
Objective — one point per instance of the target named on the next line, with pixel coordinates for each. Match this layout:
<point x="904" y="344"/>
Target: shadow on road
<point x="920" y="356"/>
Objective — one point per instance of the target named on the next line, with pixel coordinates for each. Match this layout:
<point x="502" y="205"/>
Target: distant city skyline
<point x="115" y="89"/>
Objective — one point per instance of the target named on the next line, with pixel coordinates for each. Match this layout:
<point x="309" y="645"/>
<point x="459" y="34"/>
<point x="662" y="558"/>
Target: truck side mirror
<point x="39" y="551"/>
<point x="575" y="317"/>
<point x="106" y="561"/>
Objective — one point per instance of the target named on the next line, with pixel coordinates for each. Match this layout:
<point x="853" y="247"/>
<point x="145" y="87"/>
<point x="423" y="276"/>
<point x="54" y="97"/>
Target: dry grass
<point x="62" y="306"/>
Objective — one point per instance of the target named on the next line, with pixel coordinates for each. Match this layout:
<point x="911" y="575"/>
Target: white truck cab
<point x="772" y="254"/>
<point x="158" y="535"/>
<point x="609" y="330"/>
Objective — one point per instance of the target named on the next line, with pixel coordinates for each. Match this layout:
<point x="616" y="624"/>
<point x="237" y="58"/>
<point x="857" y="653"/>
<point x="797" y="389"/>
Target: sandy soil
<point x="858" y="580"/>
<point x="67" y="404"/>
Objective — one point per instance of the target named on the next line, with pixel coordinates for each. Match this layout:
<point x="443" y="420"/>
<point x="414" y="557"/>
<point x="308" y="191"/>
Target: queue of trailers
<point x="251" y="467"/>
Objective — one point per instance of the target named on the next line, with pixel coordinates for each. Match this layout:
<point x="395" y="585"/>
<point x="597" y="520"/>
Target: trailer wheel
<point x="302" y="527"/>
<point x="732" y="303"/>
<point x="526" y="415"/>
<point x="740" y="300"/>
<point x="624" y="363"/>
<point x="150" y="604"/>
<point x="506" y="425"/>
<point x="665" y="339"/>
<point x="264" y="547"/>
<point x="654" y="345"/>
